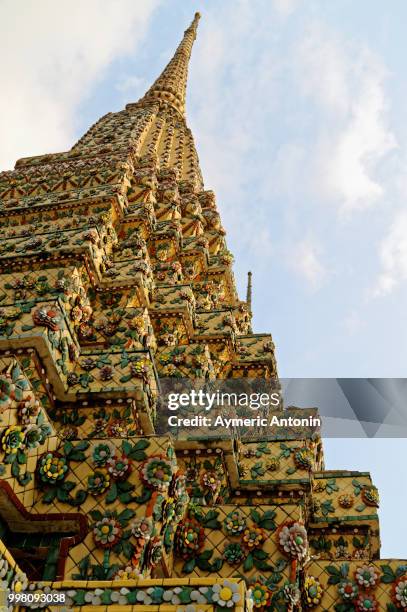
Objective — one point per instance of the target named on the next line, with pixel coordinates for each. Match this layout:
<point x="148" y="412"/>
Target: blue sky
<point x="299" y="115"/>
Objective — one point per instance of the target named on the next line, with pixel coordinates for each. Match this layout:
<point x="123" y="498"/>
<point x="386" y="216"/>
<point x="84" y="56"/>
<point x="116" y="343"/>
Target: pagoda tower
<point x="115" y="275"/>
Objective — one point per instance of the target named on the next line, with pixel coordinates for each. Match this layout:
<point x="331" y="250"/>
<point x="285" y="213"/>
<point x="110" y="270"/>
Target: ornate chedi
<point x="115" y="273"/>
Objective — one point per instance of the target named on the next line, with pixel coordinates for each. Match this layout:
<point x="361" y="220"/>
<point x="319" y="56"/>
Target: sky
<point x="299" y="116"/>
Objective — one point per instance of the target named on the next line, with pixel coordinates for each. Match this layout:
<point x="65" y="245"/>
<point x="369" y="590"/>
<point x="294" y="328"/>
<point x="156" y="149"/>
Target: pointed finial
<point x="249" y="290"/>
<point x="171" y="85"/>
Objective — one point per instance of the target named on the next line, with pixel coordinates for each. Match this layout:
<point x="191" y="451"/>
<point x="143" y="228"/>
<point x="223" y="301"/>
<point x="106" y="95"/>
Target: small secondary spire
<point x="249" y="290"/>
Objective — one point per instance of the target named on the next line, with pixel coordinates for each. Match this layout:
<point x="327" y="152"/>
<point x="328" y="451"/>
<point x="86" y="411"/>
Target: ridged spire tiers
<point x="154" y="128"/>
<point x="171" y="85"/>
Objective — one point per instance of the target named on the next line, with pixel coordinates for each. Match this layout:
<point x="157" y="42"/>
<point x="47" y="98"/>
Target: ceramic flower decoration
<point x="312" y="592"/>
<point x="293" y="540"/>
<point x="52" y="468"/>
<point x="366" y="576"/>
<point x="234" y="523"/>
<point x="107" y="532"/>
<point x="226" y="595"/>
<point x="260" y="595"/>
<point x="399" y="594"/>
<point x="190" y="538"/>
<point x="156" y="472"/>
<point x="102" y="452"/>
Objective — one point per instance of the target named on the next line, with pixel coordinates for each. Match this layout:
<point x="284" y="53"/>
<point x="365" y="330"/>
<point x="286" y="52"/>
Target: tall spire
<point x="171" y="85"/>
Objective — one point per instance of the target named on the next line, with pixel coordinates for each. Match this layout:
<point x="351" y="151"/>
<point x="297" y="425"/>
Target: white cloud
<point x="53" y="54"/>
<point x="261" y="245"/>
<point x="393" y="256"/>
<point x="353" y="322"/>
<point x="349" y="171"/>
<point x="305" y="260"/>
<point x="286" y="7"/>
<point x="291" y="160"/>
<point x="322" y="68"/>
<point x="131" y="83"/>
<point x="347" y="83"/>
